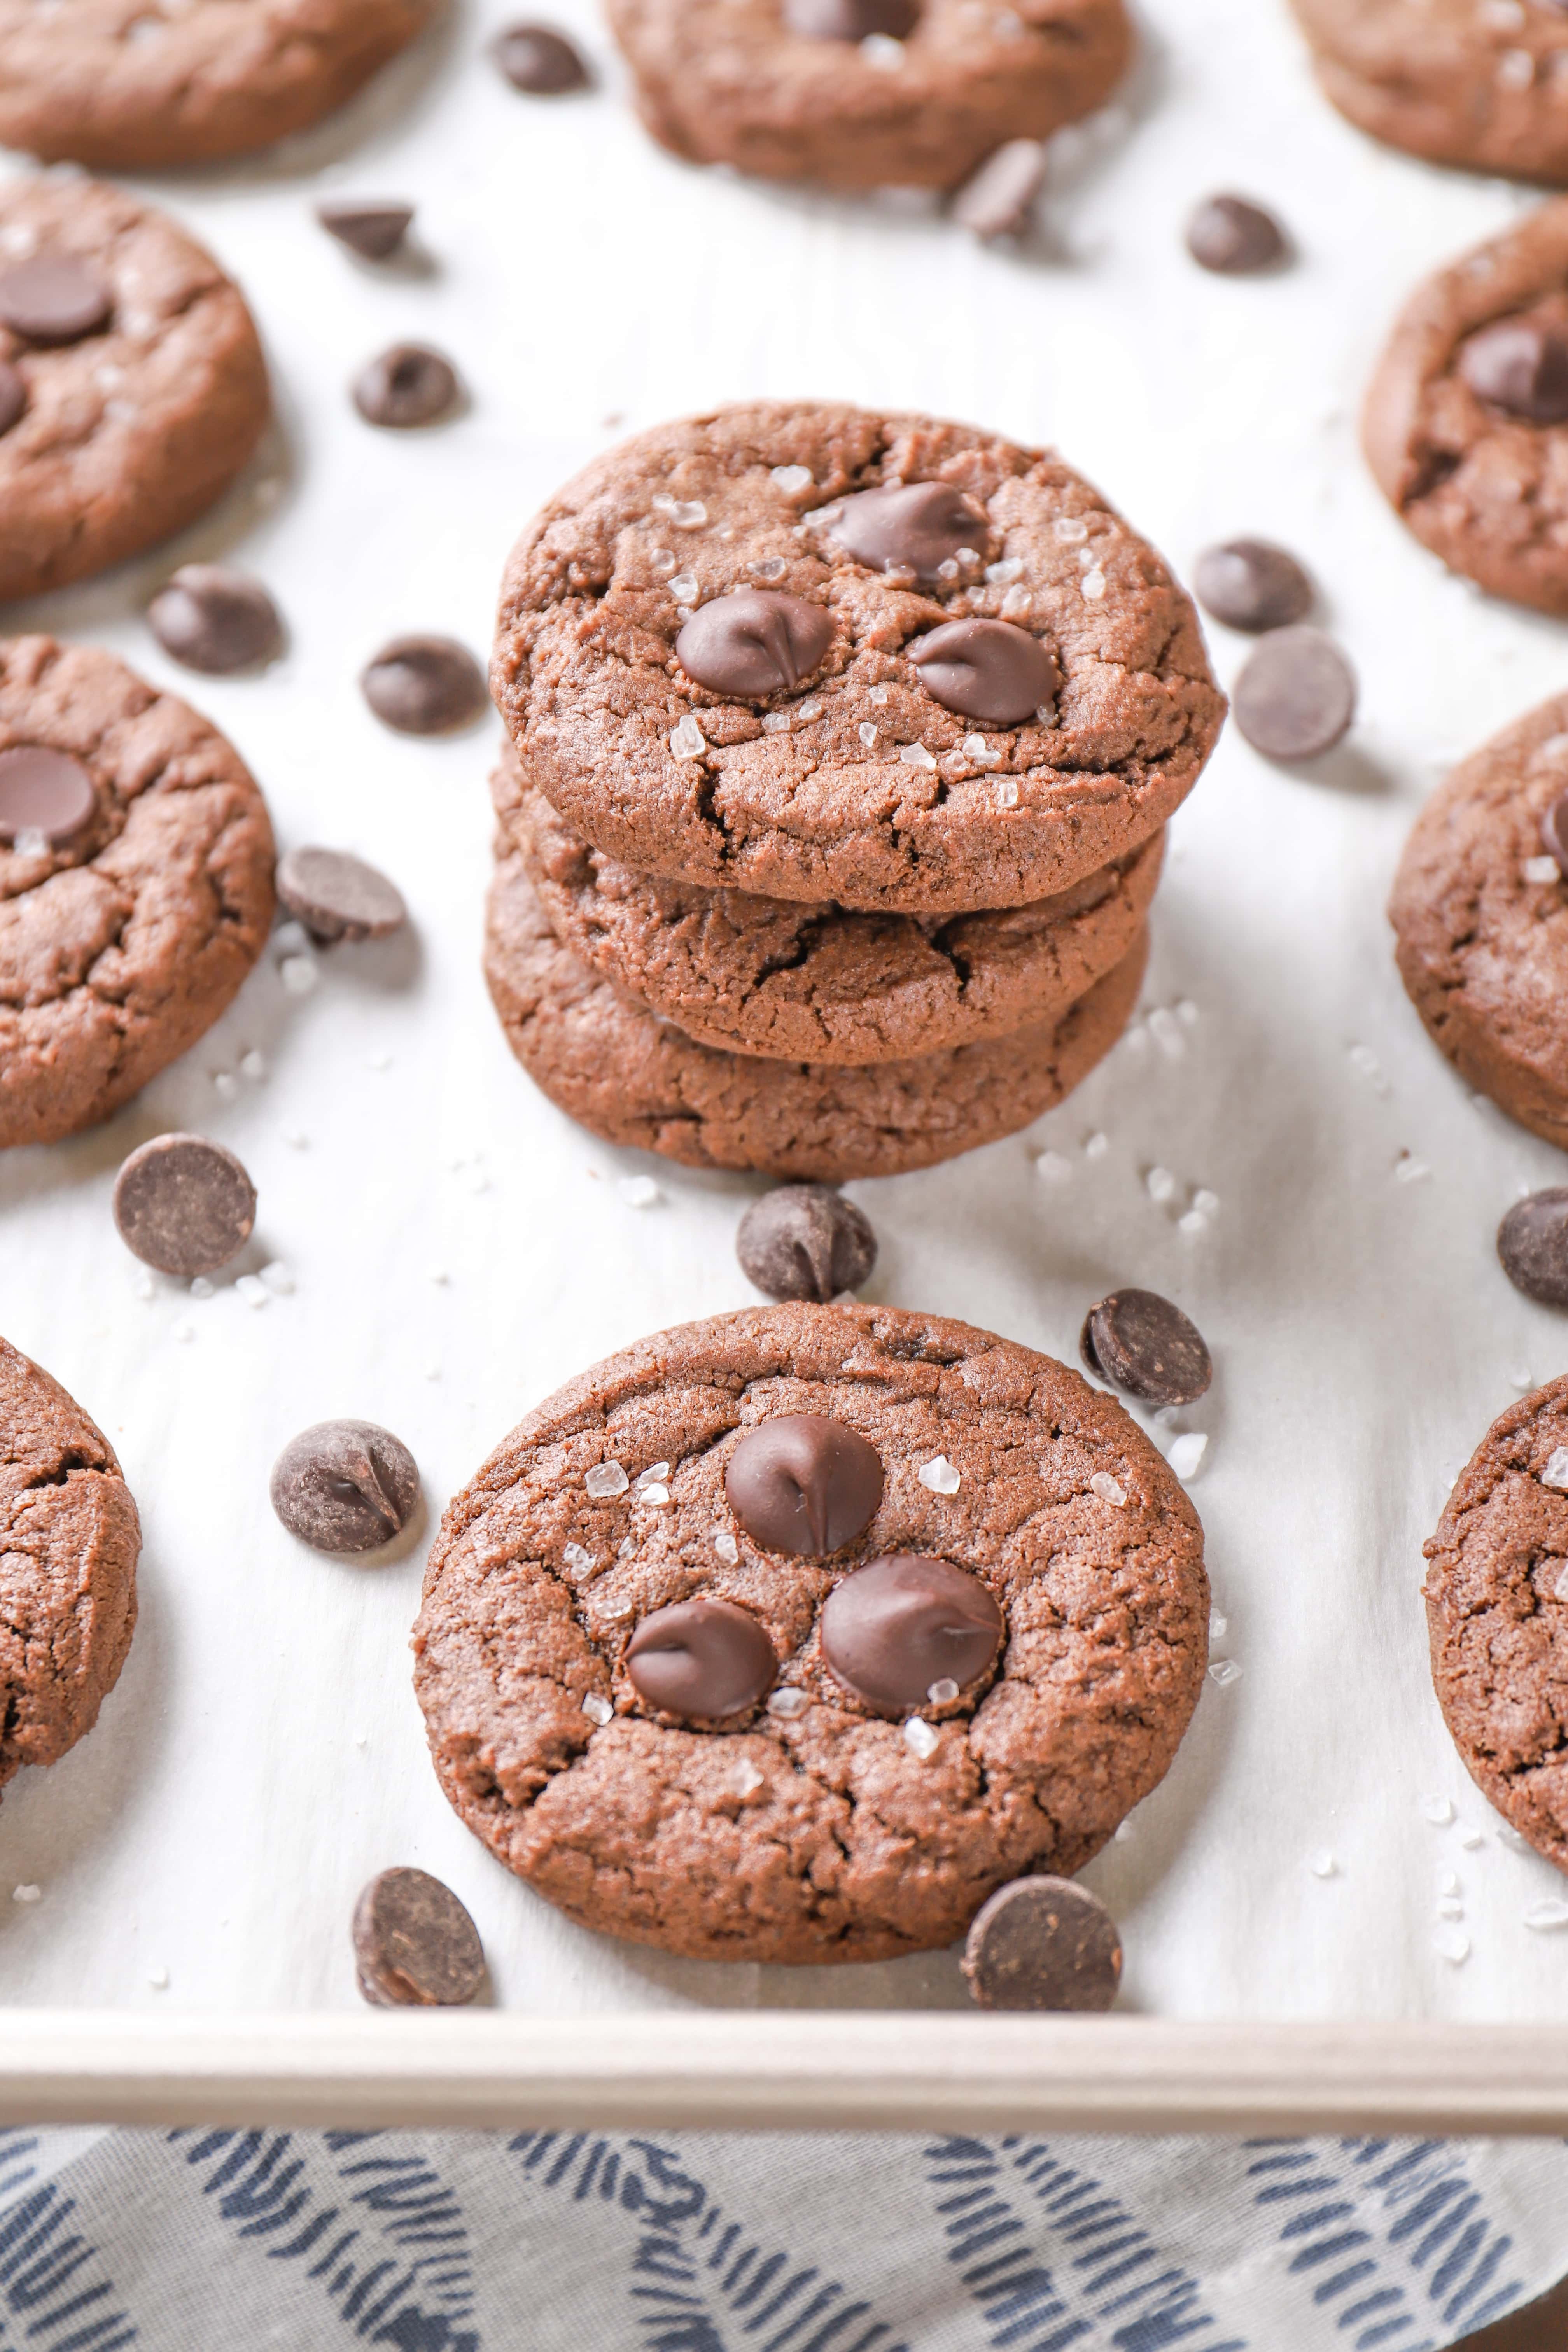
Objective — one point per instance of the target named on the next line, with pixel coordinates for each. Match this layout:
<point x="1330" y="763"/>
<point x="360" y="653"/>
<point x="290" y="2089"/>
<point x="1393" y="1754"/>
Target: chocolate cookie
<point x="137" y="388"/>
<point x="727" y="653"/>
<point x="1480" y="915"/>
<point x="135" y="883"/>
<point x="812" y="983"/>
<point x="863" y="93"/>
<point x="1466" y="425"/>
<point x="946" y="1605"/>
<point x="68" y="1543"/>
<point x="125" y="87"/>
<point x="607" y="1061"/>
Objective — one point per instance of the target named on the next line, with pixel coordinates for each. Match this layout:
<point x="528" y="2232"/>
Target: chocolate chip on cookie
<point x="805" y="1240"/>
<point x="1250" y="585"/>
<point x="45" y="797"/>
<point x="415" y="1943"/>
<point x="53" y="300"/>
<point x="424" y="686"/>
<point x="701" y="1660"/>
<point x="1532" y="1243"/>
<point x="183" y="1205"/>
<point x="988" y="671"/>
<point x="1235" y="237"/>
<point x="13" y="396"/>
<point x="215" y="620"/>
<point x="803" y="1482"/>
<point x="409" y="385"/>
<point x="1141" y="1342"/>
<point x="1296" y="697"/>
<point x="338" y="897"/>
<point x="540" y="61"/>
<point x="851" y="20"/>
<point x="753" y="641"/>
<point x="910" y="1632"/>
<point x="1554" y="831"/>
<point x="911" y="527"/>
<point x="1519" y="365"/>
<point x="345" y="1487"/>
<point x="1043" y="1943"/>
<point x="374" y="231"/>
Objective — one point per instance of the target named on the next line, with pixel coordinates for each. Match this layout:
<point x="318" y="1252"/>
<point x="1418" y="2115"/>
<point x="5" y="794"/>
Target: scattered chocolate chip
<point x="999" y="201"/>
<point x="1139" y="1342"/>
<point x="1520" y="367"/>
<point x="805" y="1240"/>
<point x="905" y="1631"/>
<point x="43" y="792"/>
<point x="987" y="670"/>
<point x="1231" y="235"/>
<point x="1043" y="1943"/>
<point x="52" y="301"/>
<point x="539" y="60"/>
<point x="215" y="620"/>
<point x="424" y="686"/>
<point x="415" y="1944"/>
<point x="374" y="231"/>
<point x="920" y="526"/>
<point x="1532" y="1243"/>
<point x="183" y="1205"/>
<point x="336" y="896"/>
<point x="1250" y="585"/>
<point x="701" y="1659"/>
<point x="1554" y="831"/>
<point x="406" y="386"/>
<point x="850" y="20"/>
<point x="753" y="641"/>
<point x="13" y="396"/>
<point x="345" y="1487"/>
<point x="1296" y="697"/>
<point x="803" y="1482"/>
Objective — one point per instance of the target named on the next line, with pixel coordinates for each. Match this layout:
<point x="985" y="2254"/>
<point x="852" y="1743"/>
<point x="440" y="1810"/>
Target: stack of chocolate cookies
<point x="841" y="750"/>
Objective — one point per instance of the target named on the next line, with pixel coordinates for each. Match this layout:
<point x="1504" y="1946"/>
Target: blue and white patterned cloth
<point x="232" y="2242"/>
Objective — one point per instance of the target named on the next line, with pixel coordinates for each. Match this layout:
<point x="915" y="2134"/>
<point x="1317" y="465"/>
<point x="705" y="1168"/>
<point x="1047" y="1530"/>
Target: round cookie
<point x="750" y="83"/>
<point x="122" y="942"/>
<point x="857" y="783"/>
<point x="1481" y="918"/>
<point x="812" y="983"/>
<point x="69" y="1539"/>
<point x="619" y="1069"/>
<point x="129" y="87"/>
<point x="131" y="429"/>
<point x="811" y="1825"/>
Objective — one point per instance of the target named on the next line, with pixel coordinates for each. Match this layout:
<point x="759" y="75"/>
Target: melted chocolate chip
<point x="918" y="527"/>
<point x="1139" y="1342"/>
<point x="1253" y="585"/>
<point x="1520" y="367"/>
<point x="540" y="61"/>
<point x="424" y="686"/>
<point x="183" y="1205"/>
<point x="43" y="792"/>
<point x="338" y="896"/>
<point x="1043" y="1943"/>
<point x="345" y="1487"/>
<point x="701" y="1659"/>
<point x="850" y="20"/>
<point x="372" y="231"/>
<point x="803" y="1482"/>
<point x="1532" y="1243"/>
<point x="13" y="396"/>
<point x="753" y="641"/>
<point x="1296" y="697"/>
<point x="1229" y="234"/>
<point x="987" y="670"/>
<point x="215" y="620"/>
<point x="903" y="1627"/>
<point x="1554" y="831"/>
<point x="52" y="301"/>
<point x="805" y="1240"/>
<point x="406" y="386"/>
<point x="415" y="1943"/>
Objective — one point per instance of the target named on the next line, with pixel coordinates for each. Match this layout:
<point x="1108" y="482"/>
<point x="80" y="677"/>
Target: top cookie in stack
<point x="846" y="741"/>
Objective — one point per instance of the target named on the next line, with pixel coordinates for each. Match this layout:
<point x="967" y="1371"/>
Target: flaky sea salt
<point x="1096" y="1145"/>
<point x="226" y="1085"/>
<point x="1192" y="1224"/>
<point x="597" y="1708"/>
<point x="1515" y="69"/>
<point x="1053" y="1167"/>
<point x="788" y="1701"/>
<point x="1225" y="1670"/>
<point x="606" y="1478"/>
<point x="1010" y="568"/>
<point x="1322" y="1863"/>
<point x="790" y="480"/>
<point x="1542" y="869"/>
<point x="299" y="974"/>
<point x="1408" y="1170"/>
<point x="1219" y="1626"/>
<point x="278" y="1279"/>
<point x="202" y="1288"/>
<point x="1070" y="530"/>
<point x="867" y="733"/>
<point x="655" y="1496"/>
<point x="1187" y="1455"/>
<point x="978" y="750"/>
<point x="254" y="1291"/>
<point x="747" y="1779"/>
<point x="920" y="1739"/>
<point x="881" y="49"/>
<point x="1161" y="1183"/>
<point x="1438" y="1811"/>
<point x="1006" y="792"/>
<point x="141" y="1283"/>
<point x="876" y="694"/>
<point x="1166" y="1031"/>
<point x="940" y="1475"/>
<point x="724" y="1544"/>
<point x="638" y="1191"/>
<point x="26" y="1894"/>
<point x="686" y="740"/>
<point x="1205" y="1203"/>
<point x="1546" y="1916"/>
<point x="915" y="755"/>
<point x="1556" y="1471"/>
<point x="686" y="514"/>
<point x="943" y="1693"/>
<point x="1094" y="585"/>
<point x="577" y="1557"/>
<point x="683" y="587"/>
<point x="1451" y="1944"/>
<point x="1110" y="1490"/>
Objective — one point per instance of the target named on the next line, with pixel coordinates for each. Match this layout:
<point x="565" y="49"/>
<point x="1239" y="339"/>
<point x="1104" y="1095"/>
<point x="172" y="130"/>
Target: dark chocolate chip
<point x="424" y="686"/>
<point x="987" y="670"/>
<point x="539" y="60"/>
<point x="415" y="1943"/>
<point x="13" y="396"/>
<point x="753" y="641"/>
<point x="805" y="1240"/>
<point x="1520" y="367"/>
<point x="406" y="386"/>
<point x="1296" y="697"/>
<point x="850" y="20"/>
<point x="43" y="792"/>
<point x="1139" y="1342"/>
<point x="1554" y="831"/>
<point x="1043" y="1943"/>
<point x="803" y="1482"/>
<point x="1251" y="585"/>
<point x="918" y="526"/>
<point x="701" y="1659"/>
<point x="183" y="1205"/>
<point x="336" y="896"/>
<point x="374" y="231"/>
<point x="52" y="299"/>
<point x="999" y="201"/>
<point x="905" y="1631"/>
<point x="345" y="1487"/>
<point x="1234" y="236"/>
<point x="1532" y="1243"/>
<point x="215" y="620"/>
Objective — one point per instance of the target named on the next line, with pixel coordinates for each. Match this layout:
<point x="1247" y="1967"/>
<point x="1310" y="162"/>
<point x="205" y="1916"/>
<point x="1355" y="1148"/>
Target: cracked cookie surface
<point x="120" y="949"/>
<point x="855" y="785"/>
<point x="820" y="1833"/>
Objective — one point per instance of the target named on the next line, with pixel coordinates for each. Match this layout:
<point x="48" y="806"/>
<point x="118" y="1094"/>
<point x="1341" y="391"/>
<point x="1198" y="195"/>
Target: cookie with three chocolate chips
<point x="793" y="1634"/>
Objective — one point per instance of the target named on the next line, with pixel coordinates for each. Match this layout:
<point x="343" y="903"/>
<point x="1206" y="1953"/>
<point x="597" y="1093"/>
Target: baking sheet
<point x="456" y="1248"/>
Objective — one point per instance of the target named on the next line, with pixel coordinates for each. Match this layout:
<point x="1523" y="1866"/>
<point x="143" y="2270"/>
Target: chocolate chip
<point x="1043" y="1943"/>
<point x="1519" y="367"/>
<point x="805" y="1240"/>
<point x="1532" y="1243"/>
<point x="374" y="231"/>
<point x="424" y="686"/>
<point x="406" y="386"/>
<point x="918" y="526"/>
<point x="987" y="670"/>
<point x="215" y="620"/>
<point x="700" y="1659"/>
<point x="345" y="1487"/>
<point x="1554" y="831"/>
<point x="906" y="1630"/>
<point x="1000" y="199"/>
<point x="537" y="60"/>
<point x="1251" y="585"/>
<point x="803" y="1482"/>
<point x="415" y="1944"/>
<point x="1139" y="1342"/>
<point x="43" y="791"/>
<point x="52" y="301"/>
<point x="336" y="896"/>
<point x="183" y="1205"/>
<point x="753" y="641"/>
<point x="1296" y="697"/>
<point x="13" y="396"/>
<point x="850" y="20"/>
<point x="1234" y="236"/>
